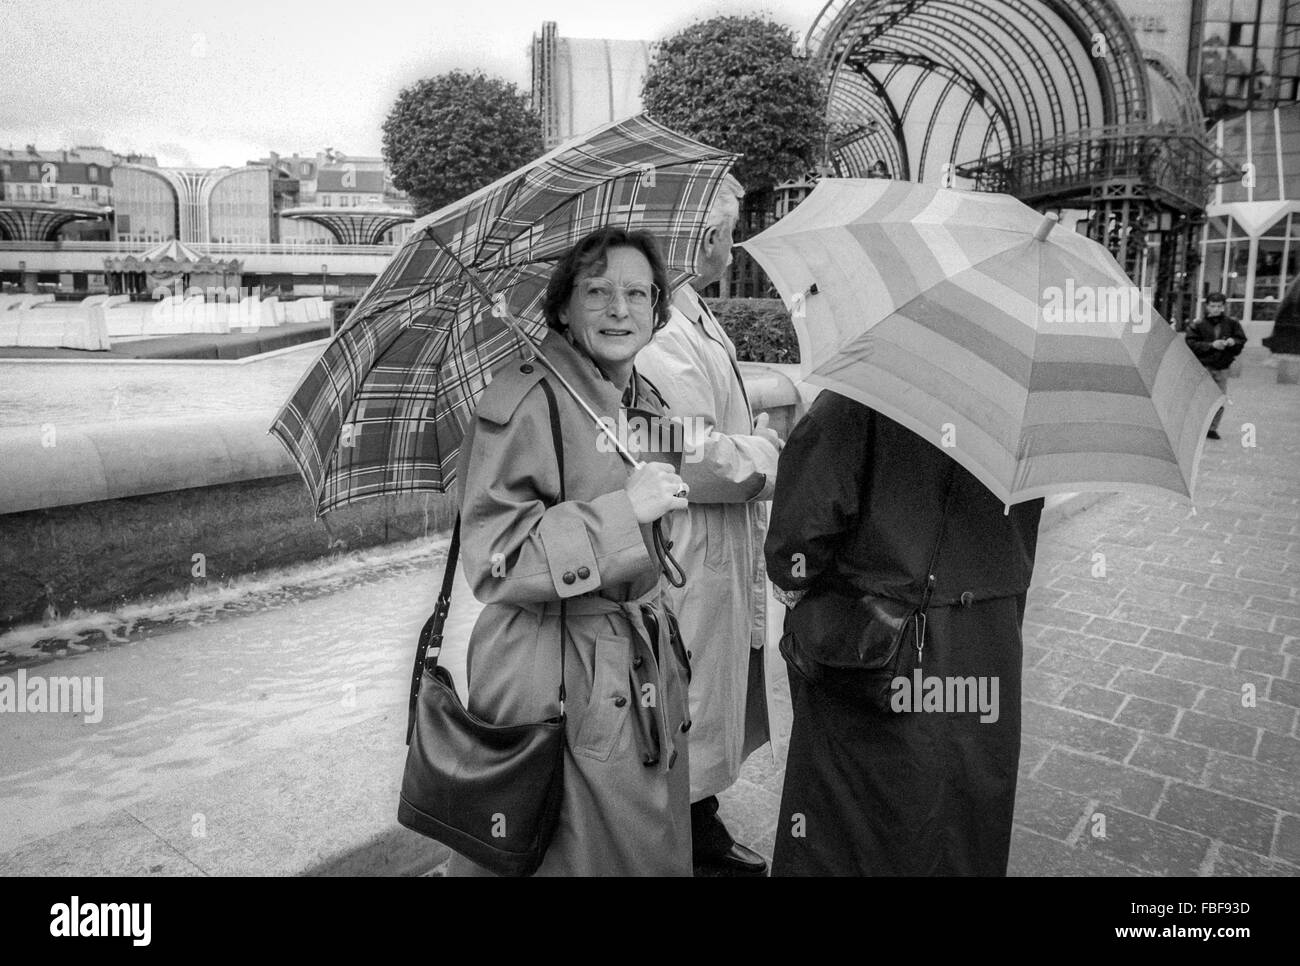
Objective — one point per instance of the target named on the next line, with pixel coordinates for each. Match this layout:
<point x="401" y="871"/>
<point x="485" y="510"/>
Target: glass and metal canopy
<point x="1052" y="101"/>
<point x="36" y="221"/>
<point x="354" y="226"/>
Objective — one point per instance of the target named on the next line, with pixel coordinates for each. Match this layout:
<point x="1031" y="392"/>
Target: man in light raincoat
<point x="730" y="466"/>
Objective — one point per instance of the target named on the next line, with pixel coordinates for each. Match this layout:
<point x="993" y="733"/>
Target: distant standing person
<point x="719" y="543"/>
<point x="1217" y="339"/>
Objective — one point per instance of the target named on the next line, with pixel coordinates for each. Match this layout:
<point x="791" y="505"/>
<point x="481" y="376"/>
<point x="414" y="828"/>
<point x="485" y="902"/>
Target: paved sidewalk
<point x="1150" y="628"/>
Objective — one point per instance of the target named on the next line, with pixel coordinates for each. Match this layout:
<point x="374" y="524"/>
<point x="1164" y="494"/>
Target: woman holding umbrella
<point x="533" y="539"/>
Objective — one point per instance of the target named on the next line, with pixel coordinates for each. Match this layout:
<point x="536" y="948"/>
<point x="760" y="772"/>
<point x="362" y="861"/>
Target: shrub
<point x="760" y="328"/>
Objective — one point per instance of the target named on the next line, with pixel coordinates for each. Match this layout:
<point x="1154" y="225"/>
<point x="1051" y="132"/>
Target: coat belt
<point x="654" y="733"/>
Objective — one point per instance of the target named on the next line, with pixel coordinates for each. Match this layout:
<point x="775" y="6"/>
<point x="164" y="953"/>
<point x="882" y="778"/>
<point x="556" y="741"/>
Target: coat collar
<point x="587" y="379"/>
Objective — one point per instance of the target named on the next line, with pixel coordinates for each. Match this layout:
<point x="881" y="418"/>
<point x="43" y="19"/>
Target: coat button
<point x="672" y="759"/>
<point x="525" y="368"/>
<point x="620" y="701"/>
<point x="583" y="573"/>
<point x="650" y="760"/>
<point x="638" y="661"/>
<point x="686" y="726"/>
<point x="569" y="577"/>
<point x="967" y="598"/>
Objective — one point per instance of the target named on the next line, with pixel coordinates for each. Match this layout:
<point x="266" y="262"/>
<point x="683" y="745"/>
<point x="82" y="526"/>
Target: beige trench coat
<point x="523" y="552"/>
<point x="718" y="541"/>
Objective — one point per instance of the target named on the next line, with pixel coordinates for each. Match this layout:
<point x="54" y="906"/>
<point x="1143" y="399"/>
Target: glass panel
<point x="1215" y="35"/>
<point x="1262" y="311"/>
<point x="1238" y="263"/>
<point x="1268" y="269"/>
<point x="1245" y="9"/>
<point x="1213" y="255"/>
<point x="1217" y="228"/>
<point x="1275" y="230"/>
<point x="1270" y="12"/>
<point x="1217" y="9"/>
<point x="1267" y="35"/>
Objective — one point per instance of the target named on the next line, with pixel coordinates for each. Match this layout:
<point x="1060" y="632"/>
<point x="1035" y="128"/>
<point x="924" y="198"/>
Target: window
<point x="92" y="173"/>
<point x="54" y="192"/>
<point x="94" y="194"/>
<point x="18" y="191"/>
<point x="33" y="173"/>
<point x="76" y="190"/>
<point x="304" y="169"/>
<point x="325" y="201"/>
<point x="5" y="171"/>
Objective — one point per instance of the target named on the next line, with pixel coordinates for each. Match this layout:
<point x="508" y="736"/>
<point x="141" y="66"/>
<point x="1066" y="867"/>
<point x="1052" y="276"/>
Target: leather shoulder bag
<point x="491" y="792"/>
<point x="855" y="645"/>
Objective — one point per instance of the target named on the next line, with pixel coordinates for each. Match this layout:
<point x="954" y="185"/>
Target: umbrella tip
<point x="1045" y="226"/>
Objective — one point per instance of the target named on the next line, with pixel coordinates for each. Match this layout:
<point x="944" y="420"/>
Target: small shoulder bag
<point x="856" y="645"/>
<point x="491" y="792"/>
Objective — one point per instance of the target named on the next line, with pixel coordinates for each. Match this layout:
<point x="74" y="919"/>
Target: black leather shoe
<point x="736" y="861"/>
<point x="1212" y="435"/>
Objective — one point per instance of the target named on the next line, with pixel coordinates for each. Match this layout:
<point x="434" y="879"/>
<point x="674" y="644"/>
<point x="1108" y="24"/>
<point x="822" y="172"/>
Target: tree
<point x="450" y="135"/>
<point x="735" y="83"/>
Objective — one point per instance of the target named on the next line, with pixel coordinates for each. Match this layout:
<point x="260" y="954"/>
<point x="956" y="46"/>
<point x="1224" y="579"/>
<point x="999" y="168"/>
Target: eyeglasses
<point x="598" y="294"/>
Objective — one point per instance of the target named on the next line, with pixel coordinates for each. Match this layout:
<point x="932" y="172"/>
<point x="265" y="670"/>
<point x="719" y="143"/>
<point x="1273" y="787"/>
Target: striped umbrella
<point x="1024" y="351"/>
<point x="385" y="407"/>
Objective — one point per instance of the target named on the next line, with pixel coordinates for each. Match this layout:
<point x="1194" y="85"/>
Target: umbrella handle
<point x="672" y="570"/>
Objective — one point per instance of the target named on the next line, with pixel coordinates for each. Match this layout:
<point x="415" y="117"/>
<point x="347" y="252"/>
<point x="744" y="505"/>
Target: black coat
<point x="1205" y="331"/>
<point x="859" y="498"/>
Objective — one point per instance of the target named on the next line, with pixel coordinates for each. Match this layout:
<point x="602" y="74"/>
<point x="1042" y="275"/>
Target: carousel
<point x="171" y="265"/>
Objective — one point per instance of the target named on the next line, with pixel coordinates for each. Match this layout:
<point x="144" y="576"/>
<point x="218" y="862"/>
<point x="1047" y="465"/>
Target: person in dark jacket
<point x="1286" y="324"/>
<point x="1217" y="339"/>
<point x="865" y="506"/>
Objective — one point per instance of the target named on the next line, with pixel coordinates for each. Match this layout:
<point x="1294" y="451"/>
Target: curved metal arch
<point x="941" y="12"/>
<point x="1126" y="95"/>
<point x="868" y="103"/>
<point x="977" y="95"/>
<point x="934" y="117"/>
<point x="1118" y="79"/>
<point x="1001" y="102"/>
<point x="1188" y="102"/>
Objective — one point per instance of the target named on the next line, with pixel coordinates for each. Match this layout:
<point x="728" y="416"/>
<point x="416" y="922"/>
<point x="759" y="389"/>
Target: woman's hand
<point x="653" y="489"/>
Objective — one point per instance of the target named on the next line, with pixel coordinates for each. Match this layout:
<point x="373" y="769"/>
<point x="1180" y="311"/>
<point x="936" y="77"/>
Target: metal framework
<point x="1058" y="111"/>
<point x="353" y="226"/>
<point x="35" y="221"/>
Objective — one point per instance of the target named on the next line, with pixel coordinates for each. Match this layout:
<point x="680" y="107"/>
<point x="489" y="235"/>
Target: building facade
<point x="579" y="84"/>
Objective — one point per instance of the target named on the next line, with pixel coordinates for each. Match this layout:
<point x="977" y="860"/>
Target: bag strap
<point x="429" y="646"/>
<point x="919" y="618"/>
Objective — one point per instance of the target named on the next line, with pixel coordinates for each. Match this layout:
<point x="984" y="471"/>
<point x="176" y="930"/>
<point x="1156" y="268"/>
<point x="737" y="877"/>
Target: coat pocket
<point x="609" y="705"/>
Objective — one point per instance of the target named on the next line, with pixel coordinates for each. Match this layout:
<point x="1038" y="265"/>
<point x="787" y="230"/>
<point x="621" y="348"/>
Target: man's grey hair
<point x="726" y="205"/>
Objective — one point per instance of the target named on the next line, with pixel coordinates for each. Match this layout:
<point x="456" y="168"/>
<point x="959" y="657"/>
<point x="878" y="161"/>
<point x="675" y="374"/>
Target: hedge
<point x="760" y="328"/>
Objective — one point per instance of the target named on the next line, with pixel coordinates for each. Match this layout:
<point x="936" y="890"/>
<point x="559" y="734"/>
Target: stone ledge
<point x="55" y="466"/>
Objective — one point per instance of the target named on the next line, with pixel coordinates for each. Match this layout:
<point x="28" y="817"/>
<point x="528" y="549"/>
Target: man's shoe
<point x="736" y="861"/>
<point x="1213" y="435"/>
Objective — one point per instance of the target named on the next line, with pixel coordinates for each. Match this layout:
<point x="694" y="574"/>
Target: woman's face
<point x="612" y="334"/>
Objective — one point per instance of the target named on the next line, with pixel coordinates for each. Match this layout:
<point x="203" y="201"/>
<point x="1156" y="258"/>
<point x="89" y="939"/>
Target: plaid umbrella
<point x="1025" y="352"/>
<point x="384" y="408"/>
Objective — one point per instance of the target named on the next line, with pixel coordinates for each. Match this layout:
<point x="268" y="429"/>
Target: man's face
<point x="1214" y="309"/>
<point x="715" y="254"/>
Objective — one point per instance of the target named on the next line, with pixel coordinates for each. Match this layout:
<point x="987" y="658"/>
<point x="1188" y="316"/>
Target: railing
<point x="1176" y="161"/>
<point x="210" y="248"/>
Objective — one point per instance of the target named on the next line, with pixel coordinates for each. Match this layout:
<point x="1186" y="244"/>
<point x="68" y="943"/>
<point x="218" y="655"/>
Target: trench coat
<point x="858" y="508"/>
<point x="626" y="807"/>
<point x="718" y="540"/>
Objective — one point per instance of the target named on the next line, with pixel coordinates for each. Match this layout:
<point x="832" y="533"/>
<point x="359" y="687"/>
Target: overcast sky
<point x="213" y="83"/>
